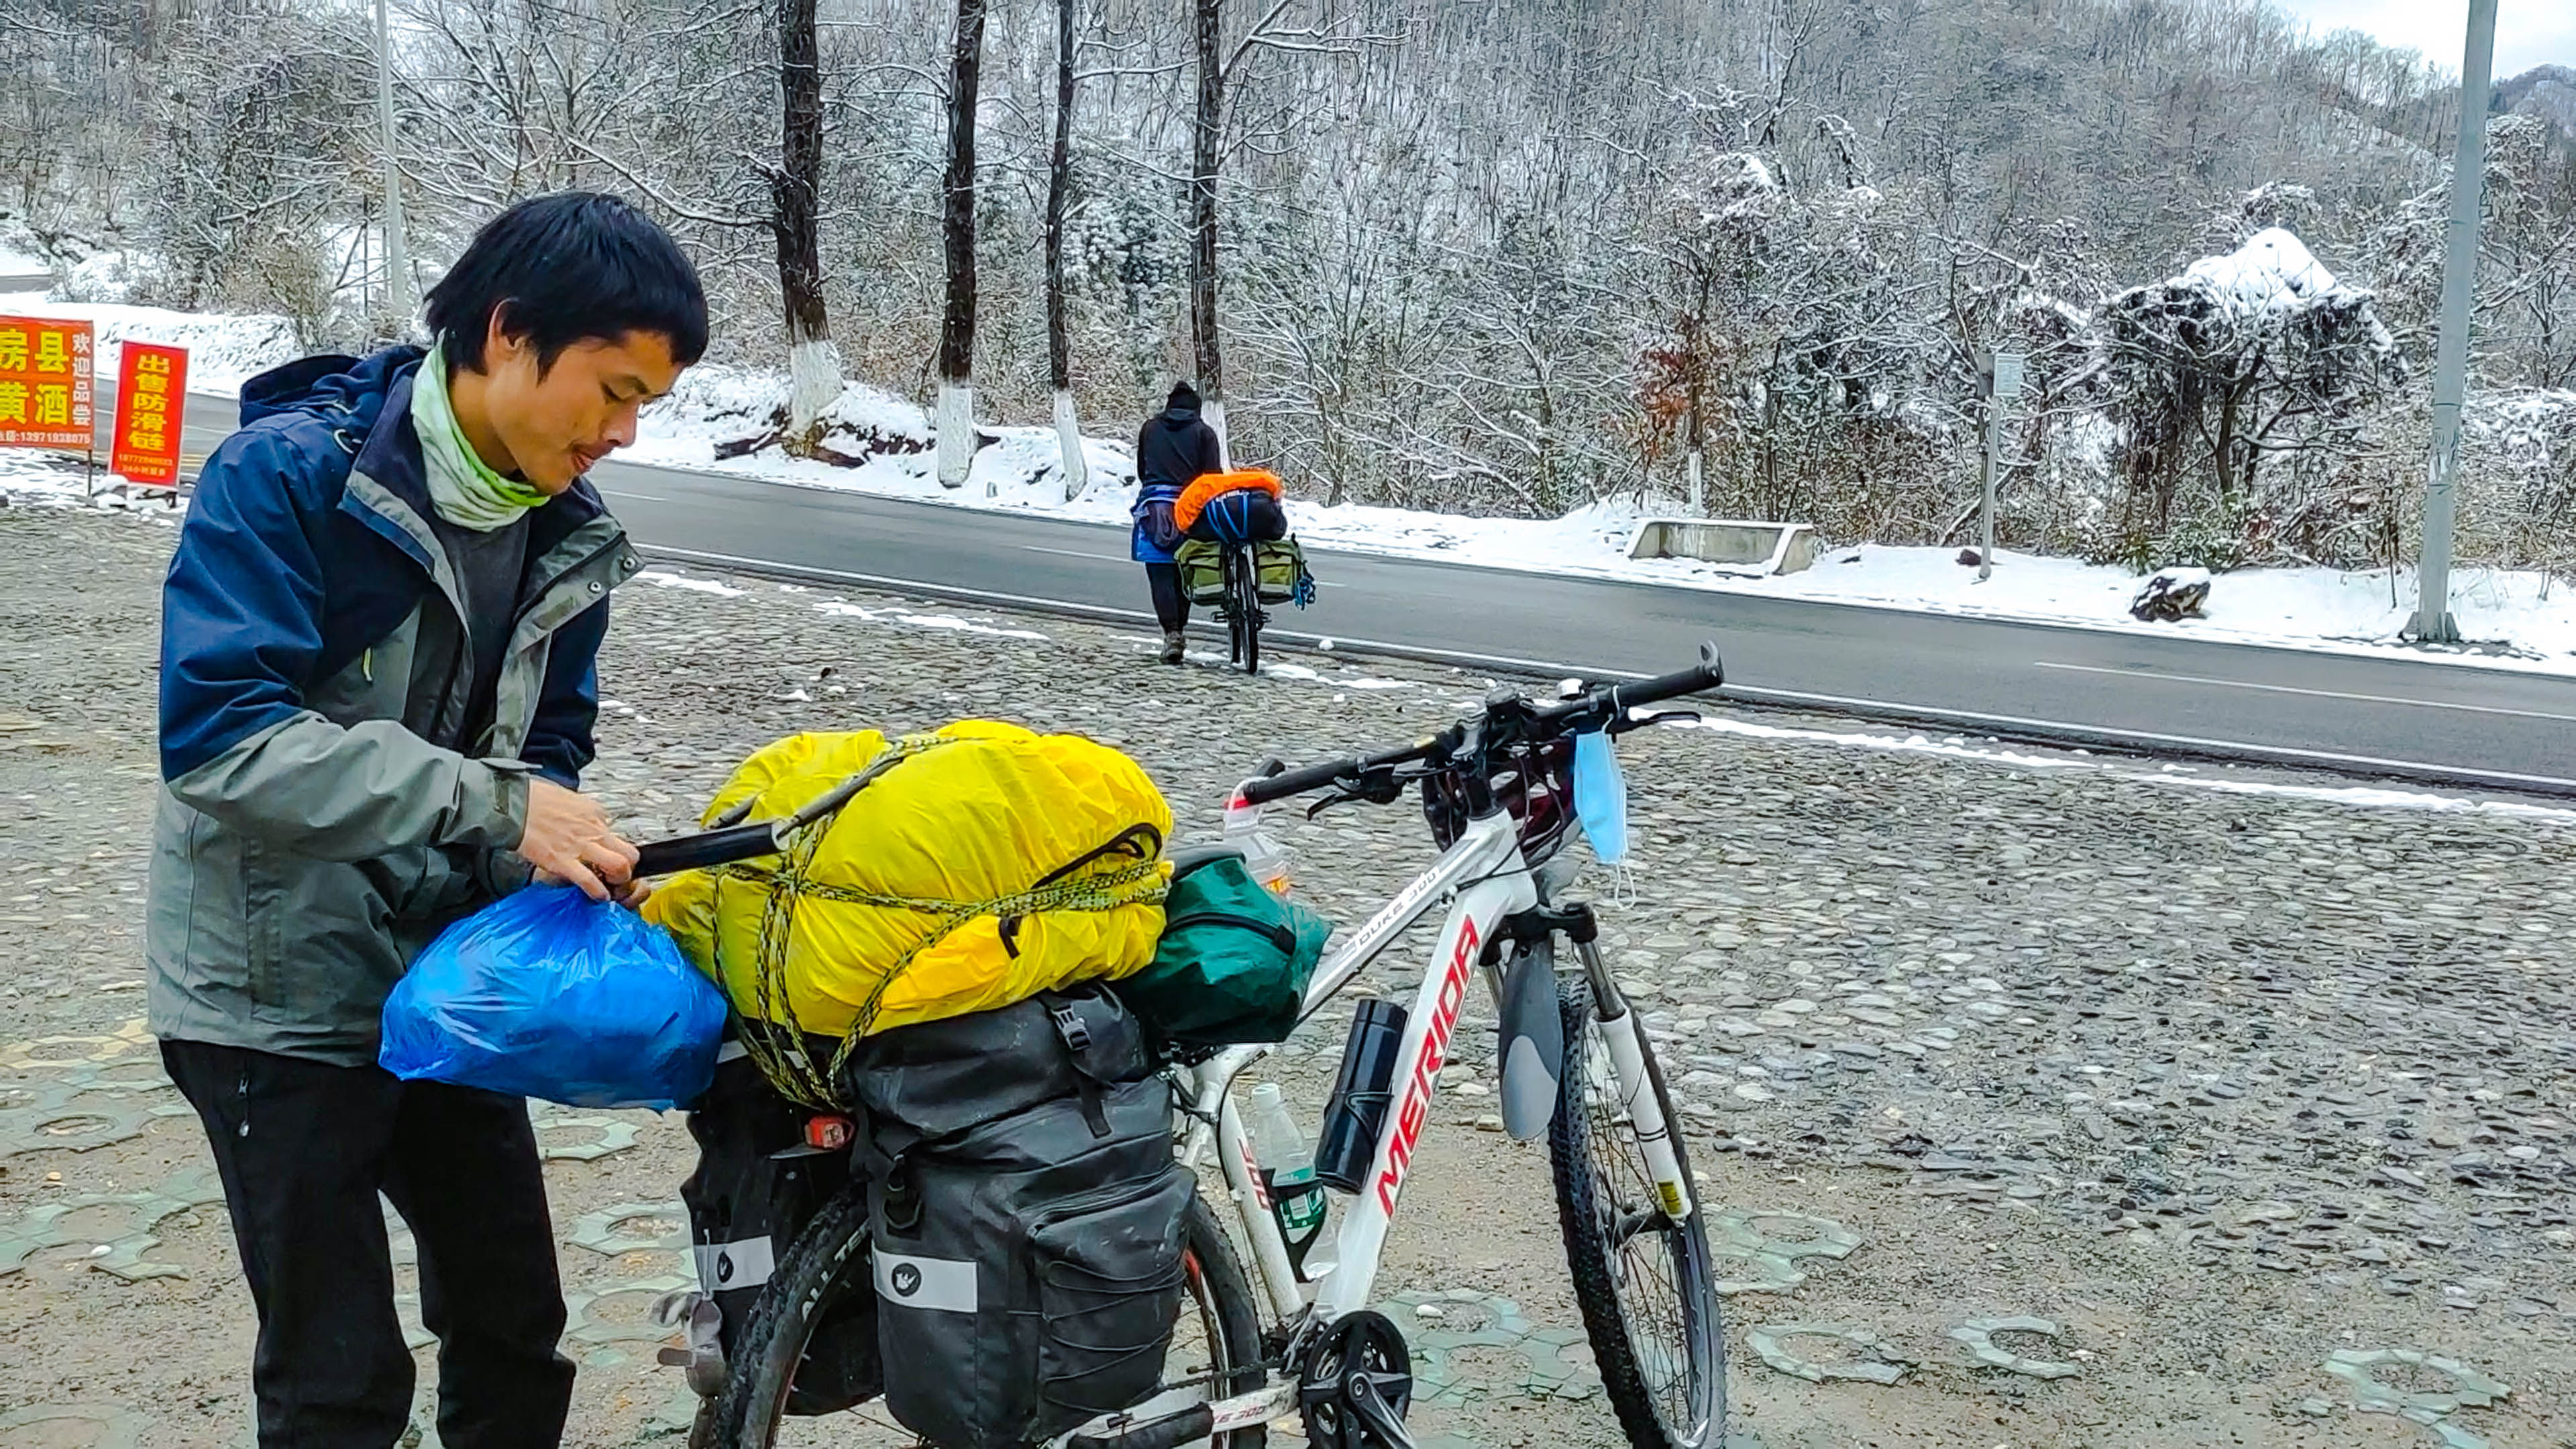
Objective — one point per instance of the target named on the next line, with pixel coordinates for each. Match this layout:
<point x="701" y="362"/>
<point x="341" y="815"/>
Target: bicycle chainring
<point x="1356" y="1384"/>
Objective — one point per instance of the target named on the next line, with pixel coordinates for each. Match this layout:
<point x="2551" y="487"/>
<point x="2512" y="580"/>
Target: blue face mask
<point x="1601" y="796"/>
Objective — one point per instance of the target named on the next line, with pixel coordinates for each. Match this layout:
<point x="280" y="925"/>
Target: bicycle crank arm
<point x="1376" y="1415"/>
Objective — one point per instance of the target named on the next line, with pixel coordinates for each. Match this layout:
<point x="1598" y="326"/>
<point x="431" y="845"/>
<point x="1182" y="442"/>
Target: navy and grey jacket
<point x="323" y="813"/>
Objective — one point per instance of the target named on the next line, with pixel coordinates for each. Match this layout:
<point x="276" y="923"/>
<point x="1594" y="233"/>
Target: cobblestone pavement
<point x="2257" y="1096"/>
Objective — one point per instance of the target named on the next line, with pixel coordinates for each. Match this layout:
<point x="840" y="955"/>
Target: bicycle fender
<point x="1532" y="1049"/>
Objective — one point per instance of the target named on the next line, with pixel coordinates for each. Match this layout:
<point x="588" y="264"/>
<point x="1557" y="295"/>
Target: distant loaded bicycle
<point x="1240" y="559"/>
<point x="1499" y="791"/>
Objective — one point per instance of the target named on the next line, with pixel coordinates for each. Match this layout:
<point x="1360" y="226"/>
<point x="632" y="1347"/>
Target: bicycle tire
<point x="1243" y="607"/>
<point x="828" y="1258"/>
<point x="1591" y="1212"/>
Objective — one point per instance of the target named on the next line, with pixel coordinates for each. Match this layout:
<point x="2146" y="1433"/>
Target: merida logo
<point x="906" y="1280"/>
<point x="1426" y="1070"/>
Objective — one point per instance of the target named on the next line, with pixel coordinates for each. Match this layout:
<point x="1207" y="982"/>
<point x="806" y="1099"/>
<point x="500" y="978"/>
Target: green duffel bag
<point x="1202" y="567"/>
<point x="1233" y="964"/>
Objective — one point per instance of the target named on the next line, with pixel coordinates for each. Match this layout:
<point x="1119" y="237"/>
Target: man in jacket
<point x="1174" y="449"/>
<point x="378" y="681"/>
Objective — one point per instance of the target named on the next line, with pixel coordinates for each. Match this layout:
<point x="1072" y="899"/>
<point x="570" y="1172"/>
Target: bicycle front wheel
<point x="1215" y="1349"/>
<point x="1644" y="1281"/>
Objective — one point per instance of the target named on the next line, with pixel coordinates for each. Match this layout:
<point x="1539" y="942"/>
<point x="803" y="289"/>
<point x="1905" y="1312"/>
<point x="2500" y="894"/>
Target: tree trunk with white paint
<point x="956" y="418"/>
<point x="1068" y="423"/>
<point x="814" y="384"/>
<point x="1207" y="131"/>
<point x="1212" y="413"/>
<point x="1068" y="436"/>
<point x="954" y="424"/>
<point x="795" y="218"/>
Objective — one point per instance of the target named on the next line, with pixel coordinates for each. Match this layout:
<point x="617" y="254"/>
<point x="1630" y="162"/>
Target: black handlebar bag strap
<point x="1026" y="1214"/>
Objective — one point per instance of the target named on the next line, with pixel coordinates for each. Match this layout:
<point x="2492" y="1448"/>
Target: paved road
<point x="2410" y="719"/>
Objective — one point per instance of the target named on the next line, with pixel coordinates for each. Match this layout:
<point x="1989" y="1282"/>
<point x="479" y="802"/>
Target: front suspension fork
<point x="1627" y="1039"/>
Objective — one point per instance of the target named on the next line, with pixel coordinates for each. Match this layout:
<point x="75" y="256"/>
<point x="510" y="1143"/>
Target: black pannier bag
<point x="1026" y="1216"/>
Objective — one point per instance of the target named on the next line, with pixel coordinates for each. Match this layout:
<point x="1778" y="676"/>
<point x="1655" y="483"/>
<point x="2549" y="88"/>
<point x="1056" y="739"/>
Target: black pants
<point x="1171" y="601"/>
<point x="303" y="1149"/>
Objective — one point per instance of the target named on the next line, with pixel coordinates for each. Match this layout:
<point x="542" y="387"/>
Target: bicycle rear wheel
<point x="1243" y="607"/>
<point x="1644" y="1281"/>
<point x="1215" y="1352"/>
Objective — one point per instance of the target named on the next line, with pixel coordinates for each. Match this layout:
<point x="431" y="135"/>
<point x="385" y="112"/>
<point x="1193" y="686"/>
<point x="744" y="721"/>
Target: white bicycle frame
<point x="1486" y="879"/>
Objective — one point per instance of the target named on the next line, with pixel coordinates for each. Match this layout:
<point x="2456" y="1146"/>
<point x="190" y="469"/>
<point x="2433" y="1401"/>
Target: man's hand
<point x="568" y="839"/>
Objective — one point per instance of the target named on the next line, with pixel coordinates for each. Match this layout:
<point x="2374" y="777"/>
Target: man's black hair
<point x="575" y="266"/>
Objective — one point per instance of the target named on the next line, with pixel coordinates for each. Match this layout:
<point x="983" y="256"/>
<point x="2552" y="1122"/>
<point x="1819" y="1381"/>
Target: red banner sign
<point x="46" y="384"/>
<point x="151" y="401"/>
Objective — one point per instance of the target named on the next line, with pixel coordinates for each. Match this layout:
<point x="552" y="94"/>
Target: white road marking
<point x="2143" y="737"/>
<point x="1545" y="668"/>
<point x="1072" y="553"/>
<point x="622" y="493"/>
<point x="2311" y="693"/>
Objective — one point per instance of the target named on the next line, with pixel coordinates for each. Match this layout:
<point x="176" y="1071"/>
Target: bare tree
<point x="1206" y="130"/>
<point x="1068" y="425"/>
<point x="795" y="190"/>
<point x="956" y="415"/>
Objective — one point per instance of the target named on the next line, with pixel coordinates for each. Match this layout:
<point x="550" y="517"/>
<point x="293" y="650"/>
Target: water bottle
<point x="1287" y="1170"/>
<point x="1266" y="858"/>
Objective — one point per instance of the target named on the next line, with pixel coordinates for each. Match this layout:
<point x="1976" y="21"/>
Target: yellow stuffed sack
<point x="981" y="865"/>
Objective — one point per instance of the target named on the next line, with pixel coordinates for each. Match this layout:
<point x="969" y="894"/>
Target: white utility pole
<point x="397" y="255"/>
<point x="2433" y="622"/>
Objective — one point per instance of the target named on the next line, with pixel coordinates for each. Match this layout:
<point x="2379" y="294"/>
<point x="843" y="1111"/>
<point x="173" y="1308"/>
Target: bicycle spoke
<point x="1648" y="1253"/>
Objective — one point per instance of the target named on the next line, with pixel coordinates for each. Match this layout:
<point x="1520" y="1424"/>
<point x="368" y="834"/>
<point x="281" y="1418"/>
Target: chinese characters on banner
<point x="45" y="384"/>
<point x="151" y="395"/>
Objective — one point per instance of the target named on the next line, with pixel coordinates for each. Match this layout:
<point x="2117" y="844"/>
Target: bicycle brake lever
<point x="1338" y="797"/>
<point x="1669" y="716"/>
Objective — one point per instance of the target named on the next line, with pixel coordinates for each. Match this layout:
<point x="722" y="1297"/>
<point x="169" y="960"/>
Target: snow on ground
<point x="34" y="478"/>
<point x="1020" y="470"/>
<point x="223" y="351"/>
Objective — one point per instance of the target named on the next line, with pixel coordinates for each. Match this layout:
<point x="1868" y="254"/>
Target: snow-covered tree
<point x="2240" y="388"/>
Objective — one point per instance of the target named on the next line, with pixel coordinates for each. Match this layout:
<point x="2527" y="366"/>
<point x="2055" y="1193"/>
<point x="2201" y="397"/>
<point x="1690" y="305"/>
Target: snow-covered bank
<point x="2523" y="619"/>
<point x="224" y="351"/>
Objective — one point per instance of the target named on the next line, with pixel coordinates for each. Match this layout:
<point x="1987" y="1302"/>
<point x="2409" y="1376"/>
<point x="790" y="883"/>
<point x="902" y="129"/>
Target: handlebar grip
<point x="713" y="847"/>
<point x="1708" y="674"/>
<point x="1296" y="782"/>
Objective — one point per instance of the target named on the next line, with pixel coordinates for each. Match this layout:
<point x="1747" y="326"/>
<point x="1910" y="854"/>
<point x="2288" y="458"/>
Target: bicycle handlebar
<point x="1316" y="777"/>
<point x="1612" y="702"/>
<point x="708" y="848"/>
<point x="1603" y="707"/>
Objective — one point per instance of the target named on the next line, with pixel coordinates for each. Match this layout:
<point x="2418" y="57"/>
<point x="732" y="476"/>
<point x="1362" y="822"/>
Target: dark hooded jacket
<point x="1174" y="449"/>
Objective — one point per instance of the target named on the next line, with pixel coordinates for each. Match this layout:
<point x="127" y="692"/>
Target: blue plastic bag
<point x="1601" y="796"/>
<point x="548" y="993"/>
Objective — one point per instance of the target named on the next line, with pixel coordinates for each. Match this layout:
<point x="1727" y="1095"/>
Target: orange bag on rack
<point x="1195" y="498"/>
